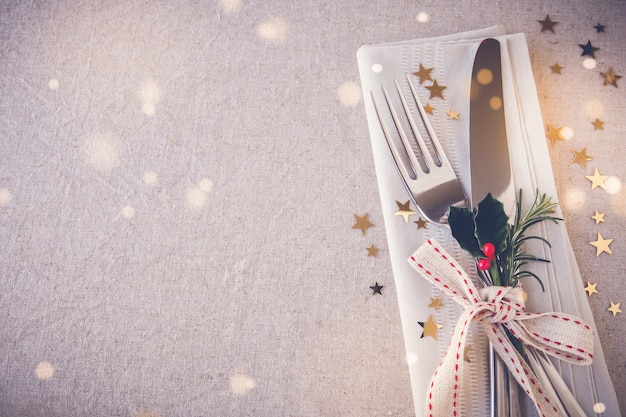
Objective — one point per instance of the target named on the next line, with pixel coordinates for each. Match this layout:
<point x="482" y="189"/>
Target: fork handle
<point x="504" y="391"/>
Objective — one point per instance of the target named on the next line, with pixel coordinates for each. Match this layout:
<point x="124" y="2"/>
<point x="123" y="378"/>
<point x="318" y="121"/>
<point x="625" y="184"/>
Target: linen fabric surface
<point x="178" y="185"/>
<point x="453" y="56"/>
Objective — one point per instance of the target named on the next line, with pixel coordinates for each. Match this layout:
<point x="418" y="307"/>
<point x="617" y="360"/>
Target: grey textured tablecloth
<point x="177" y="188"/>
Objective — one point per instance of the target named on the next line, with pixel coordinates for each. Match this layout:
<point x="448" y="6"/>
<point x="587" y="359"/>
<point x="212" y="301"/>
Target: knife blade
<point x="490" y="165"/>
<point x="490" y="170"/>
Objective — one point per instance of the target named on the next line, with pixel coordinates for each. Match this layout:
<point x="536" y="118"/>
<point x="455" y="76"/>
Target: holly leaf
<point x="462" y="225"/>
<point x="492" y="223"/>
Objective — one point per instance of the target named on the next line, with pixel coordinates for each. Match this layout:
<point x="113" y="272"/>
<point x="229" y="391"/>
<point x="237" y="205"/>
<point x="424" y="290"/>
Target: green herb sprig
<point x="497" y="245"/>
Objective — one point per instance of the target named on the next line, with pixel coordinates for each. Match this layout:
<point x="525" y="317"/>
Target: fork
<point x="433" y="187"/>
<point x="430" y="180"/>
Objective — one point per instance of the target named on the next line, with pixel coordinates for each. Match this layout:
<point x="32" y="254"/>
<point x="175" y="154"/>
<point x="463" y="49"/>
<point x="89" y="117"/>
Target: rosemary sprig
<point x="541" y="209"/>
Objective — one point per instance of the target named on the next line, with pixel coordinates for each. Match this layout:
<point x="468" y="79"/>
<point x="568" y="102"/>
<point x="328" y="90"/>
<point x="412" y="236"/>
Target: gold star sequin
<point x="598" y="124"/>
<point x="614" y="308"/>
<point x="362" y="222"/>
<point x="591" y="288"/>
<point x="453" y="114"/>
<point x="423" y="74"/>
<point x="598" y="217"/>
<point x="466" y="350"/>
<point x="436" y="90"/>
<point x="555" y="134"/>
<point x="581" y="157"/>
<point x="421" y="223"/>
<point x="556" y="68"/>
<point x="610" y="77"/>
<point x="602" y="245"/>
<point x="404" y="210"/>
<point x="428" y="108"/>
<point x="372" y="250"/>
<point x="597" y="180"/>
<point x="430" y="328"/>
<point x="435" y="302"/>
<point x="547" y="25"/>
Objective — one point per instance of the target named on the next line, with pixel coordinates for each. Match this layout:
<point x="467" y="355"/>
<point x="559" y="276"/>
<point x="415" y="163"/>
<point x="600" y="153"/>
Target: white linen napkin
<point x="452" y="59"/>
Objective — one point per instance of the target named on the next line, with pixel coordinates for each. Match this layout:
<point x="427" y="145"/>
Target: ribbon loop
<point x="557" y="334"/>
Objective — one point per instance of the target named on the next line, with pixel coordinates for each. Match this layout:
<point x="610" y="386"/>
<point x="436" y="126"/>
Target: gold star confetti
<point x="556" y="68"/>
<point x="466" y="357"/>
<point x="597" y="180"/>
<point x="598" y="217"/>
<point x="581" y="157"/>
<point x="362" y="222"/>
<point x="598" y="124"/>
<point x="430" y="328"/>
<point x="404" y="210"/>
<point x="614" y="308"/>
<point x="372" y="250"/>
<point x="602" y="245"/>
<point x="435" y="302"/>
<point x="453" y="114"/>
<point x="421" y="223"/>
<point x="547" y="25"/>
<point x="591" y="288"/>
<point x="428" y="108"/>
<point x="436" y="90"/>
<point x="423" y="74"/>
<point x="610" y="77"/>
<point x="555" y="134"/>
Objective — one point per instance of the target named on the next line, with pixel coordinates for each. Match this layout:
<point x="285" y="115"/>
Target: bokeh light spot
<point x="206" y="185"/>
<point x="349" y="93"/>
<point x="422" y="17"/>
<point x="241" y="383"/>
<point x="150" y="178"/>
<point x="128" y="212"/>
<point x="150" y="95"/>
<point x="44" y="370"/>
<point x="484" y="76"/>
<point x="613" y="185"/>
<point x="574" y="199"/>
<point x="5" y="197"/>
<point x="196" y="198"/>
<point x="567" y="133"/>
<point x="589" y="63"/>
<point x="599" y="408"/>
<point x="274" y="29"/>
<point x="230" y="6"/>
<point x="495" y="103"/>
<point x="101" y="152"/>
<point x="594" y="109"/>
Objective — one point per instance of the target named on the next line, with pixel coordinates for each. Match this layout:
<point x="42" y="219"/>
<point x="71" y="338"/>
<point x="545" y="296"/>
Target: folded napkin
<point x="452" y="58"/>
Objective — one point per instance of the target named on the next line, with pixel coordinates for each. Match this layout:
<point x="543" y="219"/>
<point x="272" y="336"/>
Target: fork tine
<point x="405" y="140"/>
<point x="423" y="149"/>
<point x="429" y="127"/>
<point x="404" y="173"/>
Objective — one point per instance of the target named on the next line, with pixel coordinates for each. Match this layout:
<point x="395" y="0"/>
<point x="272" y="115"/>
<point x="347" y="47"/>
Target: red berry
<point x="489" y="250"/>
<point x="484" y="264"/>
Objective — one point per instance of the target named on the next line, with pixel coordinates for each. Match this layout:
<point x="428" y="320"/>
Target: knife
<point x="490" y="165"/>
<point x="490" y="170"/>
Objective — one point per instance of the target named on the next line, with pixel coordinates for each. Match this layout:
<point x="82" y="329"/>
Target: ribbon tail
<point x="444" y="392"/>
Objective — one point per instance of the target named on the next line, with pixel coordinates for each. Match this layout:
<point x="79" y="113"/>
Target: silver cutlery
<point x="425" y="171"/>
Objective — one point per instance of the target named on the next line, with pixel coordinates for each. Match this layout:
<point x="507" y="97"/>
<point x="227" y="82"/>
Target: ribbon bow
<point x="563" y="336"/>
